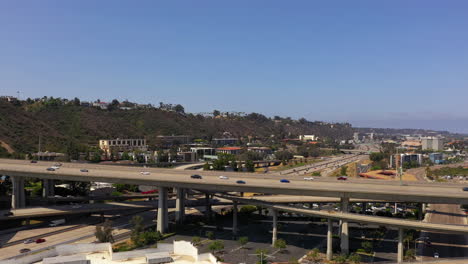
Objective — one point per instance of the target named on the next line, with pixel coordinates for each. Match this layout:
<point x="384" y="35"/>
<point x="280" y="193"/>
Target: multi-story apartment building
<point x="434" y="143"/>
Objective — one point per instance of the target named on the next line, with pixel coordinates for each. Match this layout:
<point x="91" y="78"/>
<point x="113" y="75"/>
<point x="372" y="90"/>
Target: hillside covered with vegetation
<point x="68" y="126"/>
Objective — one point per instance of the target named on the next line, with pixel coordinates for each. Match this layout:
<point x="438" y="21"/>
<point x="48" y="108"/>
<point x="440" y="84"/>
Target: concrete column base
<point x="162" y="221"/>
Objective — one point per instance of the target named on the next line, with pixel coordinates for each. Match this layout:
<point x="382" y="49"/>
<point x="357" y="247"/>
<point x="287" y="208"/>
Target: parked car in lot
<point x="40" y="240"/>
<point x="342" y="178"/>
<point x="224" y="177"/>
<point x="196" y="176"/>
<point x="50" y="169"/>
<point x="24" y="250"/>
<point x="240" y="182"/>
<point x="84" y="170"/>
<point x="309" y="178"/>
<point x="28" y="241"/>
<point x="284" y="181"/>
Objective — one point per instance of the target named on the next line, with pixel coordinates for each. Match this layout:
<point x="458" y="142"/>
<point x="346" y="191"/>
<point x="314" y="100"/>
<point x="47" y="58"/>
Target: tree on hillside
<point x="179" y="109"/>
<point x="76" y="101"/>
<point x="216" y="113"/>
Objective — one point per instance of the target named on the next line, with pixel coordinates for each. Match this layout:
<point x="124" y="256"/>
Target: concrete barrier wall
<point x="74" y="249"/>
<point x="185" y="248"/>
<point x="208" y="257"/>
<point x="117" y="256"/>
<point x="74" y="259"/>
<point x="31" y="258"/>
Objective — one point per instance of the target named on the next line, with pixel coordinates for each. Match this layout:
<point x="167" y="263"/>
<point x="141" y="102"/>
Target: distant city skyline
<point x="395" y="64"/>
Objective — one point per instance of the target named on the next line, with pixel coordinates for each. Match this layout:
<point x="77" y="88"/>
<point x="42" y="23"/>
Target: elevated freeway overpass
<point x="256" y="183"/>
<point x="270" y="184"/>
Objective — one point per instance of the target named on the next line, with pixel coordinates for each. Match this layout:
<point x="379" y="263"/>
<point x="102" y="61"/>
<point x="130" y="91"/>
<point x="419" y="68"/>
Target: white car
<point x="145" y="173"/>
<point x="309" y="178"/>
<point x="55" y="167"/>
<point x="223" y="177"/>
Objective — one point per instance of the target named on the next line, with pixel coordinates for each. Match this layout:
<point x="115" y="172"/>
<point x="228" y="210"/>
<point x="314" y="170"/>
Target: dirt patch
<point x="7" y="147"/>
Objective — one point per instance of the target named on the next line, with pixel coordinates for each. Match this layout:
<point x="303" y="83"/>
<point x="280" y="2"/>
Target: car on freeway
<point x="223" y="177"/>
<point x="84" y="170"/>
<point x="8" y="214"/>
<point x="40" y="240"/>
<point x="58" y="164"/>
<point x="28" y="241"/>
<point x="436" y="255"/>
<point x="50" y="169"/>
<point x="284" y="181"/>
<point x="240" y="182"/>
<point x="465" y="189"/>
<point x="76" y="206"/>
<point x="55" y="167"/>
<point x="33" y="161"/>
<point x="309" y="178"/>
<point x="145" y="173"/>
<point x="24" y="250"/>
<point x="196" y="176"/>
<point x="342" y="178"/>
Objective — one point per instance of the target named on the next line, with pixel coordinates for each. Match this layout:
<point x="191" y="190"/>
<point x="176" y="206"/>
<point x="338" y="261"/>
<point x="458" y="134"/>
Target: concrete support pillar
<point x="364" y="208"/>
<point x="180" y="205"/>
<point x="275" y="227"/>
<point x="400" y="245"/>
<point x="207" y="206"/>
<point x="423" y="208"/>
<point x="162" y="224"/>
<point x="396" y="208"/>
<point x="48" y="187"/>
<point x="420" y="211"/>
<point x="18" y="199"/>
<point x="234" y="218"/>
<point x="330" y="240"/>
<point x="344" y="236"/>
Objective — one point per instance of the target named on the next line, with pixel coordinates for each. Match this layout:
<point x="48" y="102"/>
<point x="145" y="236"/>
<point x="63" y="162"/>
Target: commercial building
<point x="436" y="158"/>
<point x="173" y="140"/>
<point x="432" y="143"/>
<point x="110" y="146"/>
<point x="401" y="159"/>
<point x="204" y="153"/>
<point x="225" y="141"/>
<point x="308" y="138"/>
<point x="229" y="150"/>
<point x="261" y="150"/>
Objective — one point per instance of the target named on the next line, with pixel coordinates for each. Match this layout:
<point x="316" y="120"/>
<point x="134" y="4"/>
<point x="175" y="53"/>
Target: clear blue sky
<point x="393" y="63"/>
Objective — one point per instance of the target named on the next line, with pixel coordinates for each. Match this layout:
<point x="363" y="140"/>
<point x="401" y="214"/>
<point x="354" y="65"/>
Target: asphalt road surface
<point x="446" y="245"/>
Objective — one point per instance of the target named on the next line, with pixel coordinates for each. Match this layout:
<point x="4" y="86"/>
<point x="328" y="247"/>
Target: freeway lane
<point x="378" y="220"/>
<point x="210" y="182"/>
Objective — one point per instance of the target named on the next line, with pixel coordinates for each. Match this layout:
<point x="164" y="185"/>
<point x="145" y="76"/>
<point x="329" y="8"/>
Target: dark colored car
<point x="240" y="182"/>
<point x="50" y="169"/>
<point x="33" y="161"/>
<point x="24" y="250"/>
<point x="284" y="181"/>
<point x="342" y="178"/>
<point x="84" y="170"/>
<point x="8" y="214"/>
<point x="40" y="240"/>
<point x="196" y="176"/>
<point x="465" y="189"/>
